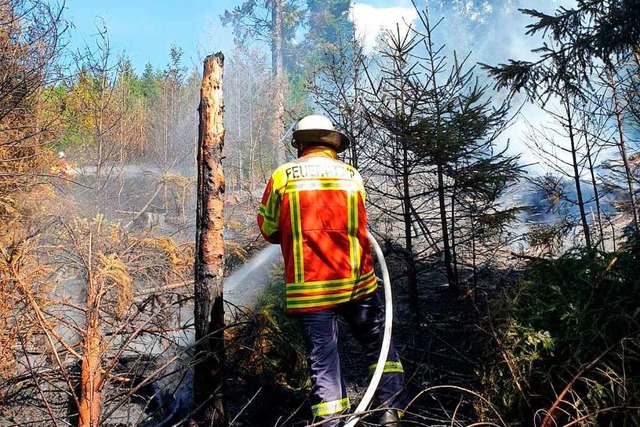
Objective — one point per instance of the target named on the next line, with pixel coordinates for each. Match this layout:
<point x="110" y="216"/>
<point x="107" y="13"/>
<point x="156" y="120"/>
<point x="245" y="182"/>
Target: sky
<point x="492" y="30"/>
<point x="146" y="29"/>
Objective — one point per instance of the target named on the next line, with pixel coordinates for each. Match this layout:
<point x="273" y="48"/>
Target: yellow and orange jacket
<point x="314" y="208"/>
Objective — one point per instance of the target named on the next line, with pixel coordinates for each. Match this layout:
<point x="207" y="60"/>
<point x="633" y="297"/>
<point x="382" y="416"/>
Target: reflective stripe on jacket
<point x="314" y="208"/>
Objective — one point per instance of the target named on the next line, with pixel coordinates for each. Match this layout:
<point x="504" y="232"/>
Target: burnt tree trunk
<point x="446" y="244"/>
<point x="208" y="382"/>
<point x="409" y="258"/>
<point x="622" y="146"/>
<point x="576" y="174"/>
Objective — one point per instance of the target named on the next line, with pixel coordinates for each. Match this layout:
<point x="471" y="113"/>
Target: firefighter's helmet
<point x="316" y="129"/>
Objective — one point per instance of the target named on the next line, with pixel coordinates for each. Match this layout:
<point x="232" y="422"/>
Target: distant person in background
<point x="61" y="168"/>
<point x="314" y="207"/>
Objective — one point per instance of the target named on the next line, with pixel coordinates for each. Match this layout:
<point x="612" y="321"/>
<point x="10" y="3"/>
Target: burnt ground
<point x="438" y="353"/>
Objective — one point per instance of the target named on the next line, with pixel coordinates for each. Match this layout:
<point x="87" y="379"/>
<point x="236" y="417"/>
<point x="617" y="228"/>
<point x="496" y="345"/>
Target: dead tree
<point x="210" y="408"/>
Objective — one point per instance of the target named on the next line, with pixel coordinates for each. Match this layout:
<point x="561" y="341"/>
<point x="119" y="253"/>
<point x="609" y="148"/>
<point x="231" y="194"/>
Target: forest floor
<point x="439" y="354"/>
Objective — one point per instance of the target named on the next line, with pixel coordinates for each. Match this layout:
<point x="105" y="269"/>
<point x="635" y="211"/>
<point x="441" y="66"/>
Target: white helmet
<point x="319" y="130"/>
<point x="61" y="155"/>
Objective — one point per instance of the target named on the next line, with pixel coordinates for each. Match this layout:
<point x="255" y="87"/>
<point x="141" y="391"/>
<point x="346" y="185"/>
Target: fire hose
<point x="386" y="340"/>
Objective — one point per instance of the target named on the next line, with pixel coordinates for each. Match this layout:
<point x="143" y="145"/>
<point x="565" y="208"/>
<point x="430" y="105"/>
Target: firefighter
<point x="61" y="168"/>
<point x="314" y="208"/>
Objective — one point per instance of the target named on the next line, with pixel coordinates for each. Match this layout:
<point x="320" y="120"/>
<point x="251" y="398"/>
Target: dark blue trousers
<point x="319" y="329"/>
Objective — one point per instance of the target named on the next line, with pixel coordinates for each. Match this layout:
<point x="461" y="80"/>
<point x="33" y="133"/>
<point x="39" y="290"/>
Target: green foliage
<point x="273" y="305"/>
<point x="437" y="125"/>
<point x="594" y="29"/>
<point x="149" y="82"/>
<point x="253" y="20"/>
<point x="277" y="349"/>
<point x="131" y="83"/>
<point x="566" y="340"/>
<point x="296" y="96"/>
<point x="328" y="29"/>
<point x="328" y="20"/>
<point x="308" y="35"/>
<point x="175" y="71"/>
<point x="548" y="237"/>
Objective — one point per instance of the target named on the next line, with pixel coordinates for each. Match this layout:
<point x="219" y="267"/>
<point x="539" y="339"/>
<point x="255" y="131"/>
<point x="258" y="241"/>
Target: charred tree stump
<point x="210" y="407"/>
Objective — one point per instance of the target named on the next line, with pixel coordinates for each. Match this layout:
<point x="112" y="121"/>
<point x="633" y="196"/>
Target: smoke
<point x="370" y="21"/>
<point x="491" y="32"/>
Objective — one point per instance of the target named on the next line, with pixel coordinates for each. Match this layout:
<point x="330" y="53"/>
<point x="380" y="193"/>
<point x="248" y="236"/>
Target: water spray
<point x="386" y="340"/>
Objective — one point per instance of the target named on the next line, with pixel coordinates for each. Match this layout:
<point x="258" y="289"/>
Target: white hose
<point x="386" y="340"/>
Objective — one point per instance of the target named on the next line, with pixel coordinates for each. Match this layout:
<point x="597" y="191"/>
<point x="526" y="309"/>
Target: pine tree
<point x="589" y="43"/>
<point x="436" y="149"/>
<point x="328" y="29"/>
<point x="275" y="22"/>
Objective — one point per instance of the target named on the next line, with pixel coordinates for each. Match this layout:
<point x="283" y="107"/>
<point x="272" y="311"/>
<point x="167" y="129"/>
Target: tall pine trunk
<point x="279" y="151"/>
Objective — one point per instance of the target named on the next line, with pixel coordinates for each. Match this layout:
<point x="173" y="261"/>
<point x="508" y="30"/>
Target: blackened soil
<point x="438" y="352"/>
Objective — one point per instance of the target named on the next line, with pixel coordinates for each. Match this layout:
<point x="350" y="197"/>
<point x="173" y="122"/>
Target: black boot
<point x="390" y="418"/>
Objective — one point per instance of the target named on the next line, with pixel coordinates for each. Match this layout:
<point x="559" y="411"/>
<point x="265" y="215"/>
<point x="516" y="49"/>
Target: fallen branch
<point x="548" y="419"/>
<point x="145" y="207"/>
<point x="163" y="288"/>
